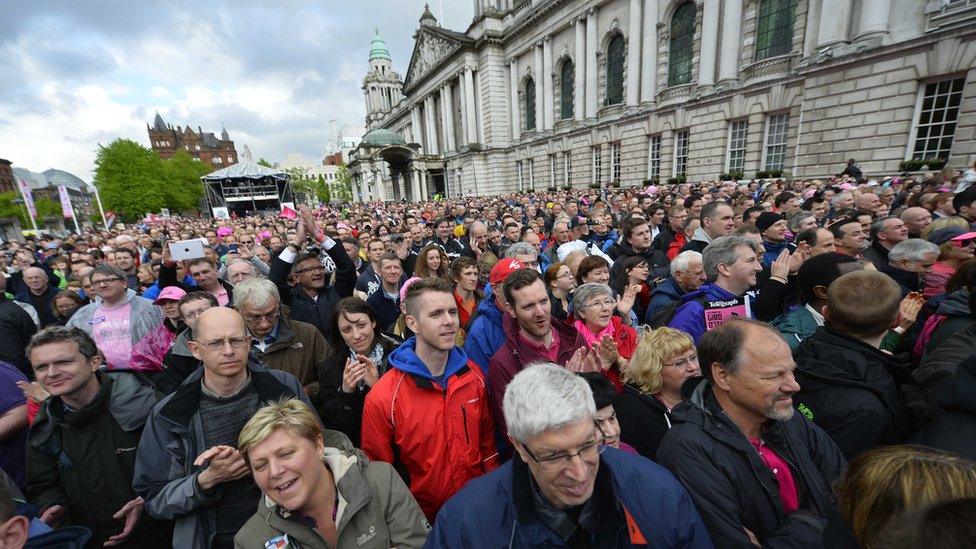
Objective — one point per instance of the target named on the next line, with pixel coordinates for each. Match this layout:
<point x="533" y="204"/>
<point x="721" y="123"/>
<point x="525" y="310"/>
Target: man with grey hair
<point x="841" y="202"/>
<point x="118" y="318"/>
<point x="525" y="253"/>
<point x="885" y="233"/>
<point x="731" y="265"/>
<point x="687" y="275"/>
<point x="239" y="270"/>
<point x="565" y="487"/>
<point x="801" y="221"/>
<point x="279" y="342"/>
<point x="908" y="263"/>
<point x="738" y="436"/>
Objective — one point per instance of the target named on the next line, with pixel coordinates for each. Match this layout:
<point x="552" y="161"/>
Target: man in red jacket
<point x="429" y="414"/>
<point x="532" y="335"/>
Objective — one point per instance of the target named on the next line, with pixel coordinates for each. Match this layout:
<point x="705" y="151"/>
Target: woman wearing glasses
<point x="593" y="307"/>
<point x="664" y="359"/>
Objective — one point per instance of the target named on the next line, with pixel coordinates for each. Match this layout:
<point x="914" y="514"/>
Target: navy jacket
<point x="495" y="510"/>
<point x="665" y="293"/>
<point x="485" y="334"/>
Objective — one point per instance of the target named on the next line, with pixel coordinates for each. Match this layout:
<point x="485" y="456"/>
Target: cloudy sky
<point x="76" y="74"/>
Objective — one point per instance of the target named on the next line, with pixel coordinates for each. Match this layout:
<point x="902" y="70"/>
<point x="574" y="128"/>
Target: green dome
<point x="382" y="137"/>
<point x="378" y="49"/>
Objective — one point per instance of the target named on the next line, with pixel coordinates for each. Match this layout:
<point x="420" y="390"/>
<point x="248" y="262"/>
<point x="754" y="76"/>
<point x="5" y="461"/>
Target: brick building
<point x="553" y="93"/>
<point x="7" y="183"/>
<point x="204" y="146"/>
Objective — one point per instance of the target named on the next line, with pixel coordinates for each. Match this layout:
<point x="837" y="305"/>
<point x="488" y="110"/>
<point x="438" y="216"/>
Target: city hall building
<point x="537" y="94"/>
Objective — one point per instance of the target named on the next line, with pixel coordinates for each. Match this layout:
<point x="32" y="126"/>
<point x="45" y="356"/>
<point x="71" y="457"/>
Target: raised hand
<point x="130" y="513"/>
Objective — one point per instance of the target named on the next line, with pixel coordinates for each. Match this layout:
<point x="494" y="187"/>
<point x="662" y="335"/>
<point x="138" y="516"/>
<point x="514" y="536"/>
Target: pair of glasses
<point x="607" y="303"/>
<point x="104" y="281"/>
<point x="964" y="243"/>
<point x="681" y="362"/>
<point x="270" y="317"/>
<point x="316" y="269"/>
<point x="562" y="460"/>
<point x="218" y="344"/>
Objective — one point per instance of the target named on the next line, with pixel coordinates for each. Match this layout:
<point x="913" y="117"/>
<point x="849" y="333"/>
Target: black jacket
<point x="877" y="254"/>
<point x="733" y="489"/>
<point x="851" y="390"/>
<point x="41" y="303"/>
<point x="658" y="264"/>
<point x="387" y="310"/>
<point x="954" y="428"/>
<point x="907" y="280"/>
<point x="344" y="411"/>
<point x="17" y="329"/>
<point x="316" y="312"/>
<point x="938" y="368"/>
<point x="85" y="460"/>
<point x="664" y="238"/>
<point x="453" y="248"/>
<point x="643" y="419"/>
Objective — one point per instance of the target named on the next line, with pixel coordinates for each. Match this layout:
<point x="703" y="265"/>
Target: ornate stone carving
<point x="429" y="51"/>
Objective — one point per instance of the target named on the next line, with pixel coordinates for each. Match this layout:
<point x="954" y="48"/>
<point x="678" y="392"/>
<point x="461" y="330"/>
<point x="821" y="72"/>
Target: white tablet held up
<point x="186" y="249"/>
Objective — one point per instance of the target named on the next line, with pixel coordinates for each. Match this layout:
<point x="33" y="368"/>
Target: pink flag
<point x="288" y="213"/>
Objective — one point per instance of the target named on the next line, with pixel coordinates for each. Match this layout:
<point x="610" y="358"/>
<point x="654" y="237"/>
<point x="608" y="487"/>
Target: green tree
<point x="265" y="163"/>
<point x="325" y="195"/>
<point x="11" y="205"/>
<point x="342" y="189"/>
<point x="182" y="188"/>
<point x="130" y="179"/>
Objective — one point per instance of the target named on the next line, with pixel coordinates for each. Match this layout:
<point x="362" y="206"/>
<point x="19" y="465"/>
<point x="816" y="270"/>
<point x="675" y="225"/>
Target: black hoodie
<point x="954" y="428"/>
<point x="851" y="390"/>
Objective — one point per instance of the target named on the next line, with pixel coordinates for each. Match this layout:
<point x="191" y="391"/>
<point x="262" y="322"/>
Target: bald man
<point x="916" y="219"/>
<point x="38" y="291"/>
<point x="187" y="467"/>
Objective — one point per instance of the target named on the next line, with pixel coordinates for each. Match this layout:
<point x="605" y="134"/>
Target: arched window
<point x="567" y="89"/>
<point x="615" y="70"/>
<point x="774" y="31"/>
<point x="681" y="46"/>
<point x="529" y="104"/>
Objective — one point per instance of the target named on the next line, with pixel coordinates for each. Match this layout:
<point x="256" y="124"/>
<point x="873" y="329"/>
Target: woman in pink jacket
<point x="148" y="352"/>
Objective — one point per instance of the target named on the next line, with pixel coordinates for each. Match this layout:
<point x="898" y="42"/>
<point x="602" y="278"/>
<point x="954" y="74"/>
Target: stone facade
<point x="206" y="147"/>
<point x="849" y="78"/>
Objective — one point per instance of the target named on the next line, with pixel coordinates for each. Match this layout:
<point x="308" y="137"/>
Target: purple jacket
<point x="515" y="354"/>
<point x="690" y="315"/>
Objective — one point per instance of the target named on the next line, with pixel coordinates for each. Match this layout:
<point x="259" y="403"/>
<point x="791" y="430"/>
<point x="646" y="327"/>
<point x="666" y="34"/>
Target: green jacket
<point x="84" y="461"/>
<point x="795" y="326"/>
<point x="376" y="510"/>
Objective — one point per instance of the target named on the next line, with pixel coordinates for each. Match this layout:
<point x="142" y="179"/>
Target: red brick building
<point x="204" y="146"/>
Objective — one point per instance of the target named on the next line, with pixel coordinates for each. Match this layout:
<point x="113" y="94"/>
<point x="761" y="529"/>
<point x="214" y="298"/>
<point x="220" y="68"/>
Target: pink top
<point x="788" y="494"/>
<point x="112" y="333"/>
<point x="222" y="298"/>
<point x="935" y="279"/>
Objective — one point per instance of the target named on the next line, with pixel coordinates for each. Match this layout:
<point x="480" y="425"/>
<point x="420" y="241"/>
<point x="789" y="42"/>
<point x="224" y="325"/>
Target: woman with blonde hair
<point x="883" y="483"/>
<point x="320" y="496"/>
<point x="663" y="360"/>
<point x="432" y="261"/>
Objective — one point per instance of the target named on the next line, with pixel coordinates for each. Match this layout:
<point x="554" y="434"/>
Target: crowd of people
<point x="780" y="363"/>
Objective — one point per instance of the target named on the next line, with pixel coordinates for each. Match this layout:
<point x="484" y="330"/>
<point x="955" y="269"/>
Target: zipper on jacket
<point x="464" y="417"/>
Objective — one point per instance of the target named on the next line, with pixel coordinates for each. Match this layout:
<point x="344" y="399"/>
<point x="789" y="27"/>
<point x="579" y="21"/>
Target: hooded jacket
<point x="437" y="432"/>
<point x="773" y="249"/>
<point x="178" y="364"/>
<point x="497" y="510"/>
<point x="85" y="461"/>
<point x="955" y="309"/>
<point x="515" y="354"/>
<point x="375" y="511"/>
<point x="699" y="241"/>
<point x="690" y="315"/>
<point x="851" y="391"/>
<point x="658" y="264"/>
<point x="643" y="419"/>
<point x="733" y="488"/>
<point x="664" y="294"/>
<point x="144" y="317"/>
<point x="796" y="326"/>
<point x="165" y="475"/>
<point x="485" y="335"/>
<point x="954" y="428"/>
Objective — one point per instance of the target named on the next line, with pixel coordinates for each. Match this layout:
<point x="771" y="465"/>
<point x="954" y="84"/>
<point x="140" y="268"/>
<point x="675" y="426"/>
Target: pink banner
<point x="28" y="197"/>
<point x="66" y="209"/>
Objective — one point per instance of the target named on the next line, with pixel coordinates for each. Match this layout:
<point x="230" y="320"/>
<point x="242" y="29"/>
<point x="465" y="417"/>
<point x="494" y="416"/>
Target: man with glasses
<point x="312" y="298"/>
<point x="566" y="488"/>
<point x="81" y="447"/>
<point x="278" y="342"/>
<point x="118" y="318"/>
<point x="187" y="466"/>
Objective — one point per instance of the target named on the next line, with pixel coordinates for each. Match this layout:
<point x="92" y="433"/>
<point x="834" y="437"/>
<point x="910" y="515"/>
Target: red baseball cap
<point x="503" y="268"/>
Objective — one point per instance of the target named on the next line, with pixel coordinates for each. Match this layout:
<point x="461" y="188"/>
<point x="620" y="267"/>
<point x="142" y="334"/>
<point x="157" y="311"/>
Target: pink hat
<point x="224" y="231"/>
<point x="170" y="293"/>
<point x="406" y="286"/>
<point x="264" y="235"/>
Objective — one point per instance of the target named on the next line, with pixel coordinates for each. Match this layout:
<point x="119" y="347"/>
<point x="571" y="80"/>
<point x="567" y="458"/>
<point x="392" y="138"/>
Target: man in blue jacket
<point x="731" y="265"/>
<point x="485" y="334"/>
<point x="565" y="488"/>
<point x="687" y="275"/>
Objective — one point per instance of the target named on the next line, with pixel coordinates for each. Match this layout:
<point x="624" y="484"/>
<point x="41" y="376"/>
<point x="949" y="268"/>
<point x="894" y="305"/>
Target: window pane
<point x="529" y="104"/>
<point x="681" y="154"/>
<point x="937" y="118"/>
<point x="737" y="145"/>
<point x="777" y="127"/>
<point x="567" y="90"/>
<point x="615" y="70"/>
<point x="681" y="47"/>
<point x="774" y="34"/>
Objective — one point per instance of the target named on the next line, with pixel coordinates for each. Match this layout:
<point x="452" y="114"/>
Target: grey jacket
<point x="143" y="319"/>
<point x="376" y="510"/>
<point x="172" y="439"/>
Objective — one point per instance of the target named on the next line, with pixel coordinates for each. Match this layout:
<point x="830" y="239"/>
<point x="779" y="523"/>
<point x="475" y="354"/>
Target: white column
<point x="709" y="43"/>
<point x="633" y="52"/>
<point x="874" y="17"/>
<point x="728" y="66"/>
<point x="431" y="117"/>
<point x="469" y="104"/>
<point x="380" y="186"/>
<point x="515" y="111"/>
<point x="477" y="8"/>
<point x="448" y="98"/>
<point x="835" y="22"/>
<point x="591" y="40"/>
<point x="579" y="64"/>
<point x="813" y="27"/>
<point x="537" y="70"/>
<point x="355" y="188"/>
<point x="649" y="53"/>
<point x="415" y="186"/>
<point x="424" y="186"/>
<point x="547" y="105"/>
<point x="416" y="134"/>
<point x="462" y="95"/>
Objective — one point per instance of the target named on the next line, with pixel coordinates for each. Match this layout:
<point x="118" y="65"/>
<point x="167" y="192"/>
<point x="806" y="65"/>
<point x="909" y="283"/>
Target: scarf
<point x="591" y="338"/>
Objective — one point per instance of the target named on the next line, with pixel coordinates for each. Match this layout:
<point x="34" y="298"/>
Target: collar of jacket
<point x="185" y="401"/>
<point x="285" y="336"/>
<point x="701" y="236"/>
<point x="129" y="403"/>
